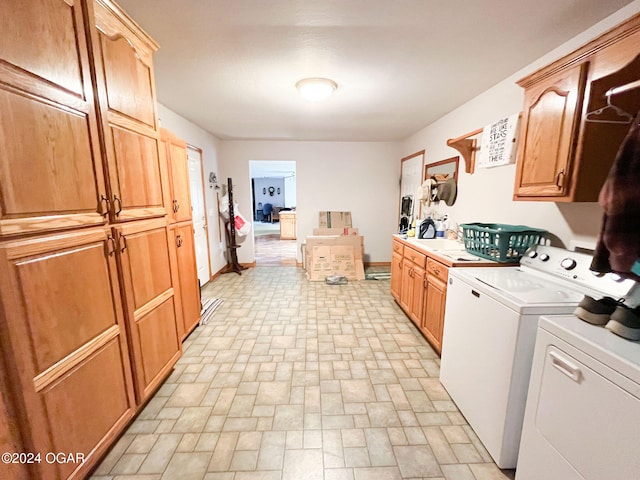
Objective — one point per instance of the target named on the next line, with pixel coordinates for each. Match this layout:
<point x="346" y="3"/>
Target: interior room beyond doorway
<point x="273" y="187"/>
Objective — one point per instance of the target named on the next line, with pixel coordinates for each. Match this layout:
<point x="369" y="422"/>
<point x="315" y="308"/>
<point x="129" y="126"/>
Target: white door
<point x="199" y="215"/>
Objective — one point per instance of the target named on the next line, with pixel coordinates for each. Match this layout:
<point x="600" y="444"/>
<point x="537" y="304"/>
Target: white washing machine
<point x="489" y="334"/>
<point x="582" y="419"/>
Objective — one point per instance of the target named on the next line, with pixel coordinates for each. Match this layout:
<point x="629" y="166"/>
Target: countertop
<point x="448" y="252"/>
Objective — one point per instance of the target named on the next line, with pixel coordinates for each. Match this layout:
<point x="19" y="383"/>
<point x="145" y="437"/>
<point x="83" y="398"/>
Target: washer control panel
<point x="574" y="267"/>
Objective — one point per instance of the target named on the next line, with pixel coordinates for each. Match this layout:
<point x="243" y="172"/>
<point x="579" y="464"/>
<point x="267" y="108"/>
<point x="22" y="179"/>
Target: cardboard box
<point x="334" y="255"/>
<point x="335" y="231"/>
<point x="335" y="219"/>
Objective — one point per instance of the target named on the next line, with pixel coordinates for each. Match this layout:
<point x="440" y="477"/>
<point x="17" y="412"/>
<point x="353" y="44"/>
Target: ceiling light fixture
<point x="316" y="89"/>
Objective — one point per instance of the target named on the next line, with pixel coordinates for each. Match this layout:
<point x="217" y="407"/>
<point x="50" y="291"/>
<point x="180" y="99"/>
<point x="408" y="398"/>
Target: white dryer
<point x="582" y="419"/>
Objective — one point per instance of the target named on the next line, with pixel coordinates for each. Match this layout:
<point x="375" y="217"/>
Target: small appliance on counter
<point x="427" y="228"/>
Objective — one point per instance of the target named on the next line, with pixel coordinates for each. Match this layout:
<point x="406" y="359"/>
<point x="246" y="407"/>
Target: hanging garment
<point x="618" y="246"/>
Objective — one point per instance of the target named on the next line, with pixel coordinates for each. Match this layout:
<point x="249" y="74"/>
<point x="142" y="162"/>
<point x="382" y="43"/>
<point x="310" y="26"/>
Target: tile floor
<point x="270" y="250"/>
<point x="293" y="380"/>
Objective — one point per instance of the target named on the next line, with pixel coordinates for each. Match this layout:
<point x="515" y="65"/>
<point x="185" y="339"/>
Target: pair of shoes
<point x="596" y="312"/>
<point x="625" y="322"/>
<point x="612" y="314"/>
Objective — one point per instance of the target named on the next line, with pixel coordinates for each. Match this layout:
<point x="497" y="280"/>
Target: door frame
<point x="204" y="204"/>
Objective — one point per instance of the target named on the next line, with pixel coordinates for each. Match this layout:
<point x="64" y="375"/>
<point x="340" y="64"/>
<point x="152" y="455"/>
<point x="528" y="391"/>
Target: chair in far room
<point x="266" y="212"/>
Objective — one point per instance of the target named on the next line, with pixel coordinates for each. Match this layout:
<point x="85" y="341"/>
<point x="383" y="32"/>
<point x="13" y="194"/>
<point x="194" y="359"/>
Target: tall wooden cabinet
<point x="51" y="174"/>
<point x="569" y="138"/>
<point x="88" y="303"/>
<point x="181" y="227"/>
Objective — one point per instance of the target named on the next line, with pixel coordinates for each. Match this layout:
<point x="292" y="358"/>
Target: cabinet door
<point x="418" y="287"/>
<point x="150" y="307"/>
<point x="10" y="437"/>
<point x="51" y="174"/>
<point x="178" y="167"/>
<point x="406" y="287"/>
<point x="549" y="132"/>
<point x="188" y="273"/>
<point x="396" y="275"/>
<point x="433" y="318"/>
<point x="65" y="345"/>
<point x="126" y="92"/>
<point x="287" y="227"/>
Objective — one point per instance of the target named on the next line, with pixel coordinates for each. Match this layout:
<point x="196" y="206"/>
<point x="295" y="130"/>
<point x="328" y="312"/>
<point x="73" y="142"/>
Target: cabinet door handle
<point x="104" y="199"/>
<point x="124" y="243"/>
<point x="110" y="245"/>
<point x="565" y="367"/>
<point x="424" y="282"/>
<point x="117" y="199"/>
<point x="177" y="206"/>
<point x="178" y="241"/>
<point x="560" y="179"/>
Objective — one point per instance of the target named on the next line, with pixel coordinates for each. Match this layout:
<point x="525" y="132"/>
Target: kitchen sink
<point x="437" y="244"/>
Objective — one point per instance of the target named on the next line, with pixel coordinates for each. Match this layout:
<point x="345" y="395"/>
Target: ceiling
<point x="230" y="66"/>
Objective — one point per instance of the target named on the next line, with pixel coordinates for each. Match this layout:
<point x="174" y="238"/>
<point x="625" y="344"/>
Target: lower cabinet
<point x="419" y="285"/>
<point x="396" y="275"/>
<point x="150" y="304"/>
<point x="64" y="342"/>
<point x="187" y="277"/>
<point x="287" y="225"/>
<point x="433" y="319"/>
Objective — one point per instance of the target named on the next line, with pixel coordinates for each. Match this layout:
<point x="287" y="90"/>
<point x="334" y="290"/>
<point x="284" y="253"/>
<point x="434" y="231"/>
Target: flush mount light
<point x="316" y="89"/>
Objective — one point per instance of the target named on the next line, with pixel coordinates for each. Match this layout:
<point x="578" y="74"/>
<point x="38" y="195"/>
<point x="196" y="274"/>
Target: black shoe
<point x="596" y="312"/>
<point x="625" y="322"/>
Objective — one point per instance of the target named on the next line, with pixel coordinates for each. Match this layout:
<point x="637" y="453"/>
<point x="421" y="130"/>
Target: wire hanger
<point x="621" y="116"/>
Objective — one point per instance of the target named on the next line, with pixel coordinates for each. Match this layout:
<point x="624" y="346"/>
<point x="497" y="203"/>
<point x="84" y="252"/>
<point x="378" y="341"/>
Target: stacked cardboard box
<point x="335" y="250"/>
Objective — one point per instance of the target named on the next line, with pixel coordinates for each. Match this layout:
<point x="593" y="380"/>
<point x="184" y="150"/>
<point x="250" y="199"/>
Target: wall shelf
<point x="467" y="148"/>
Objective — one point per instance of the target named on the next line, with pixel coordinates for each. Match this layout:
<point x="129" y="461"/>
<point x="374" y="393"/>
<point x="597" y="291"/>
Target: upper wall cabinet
<point x="569" y="138"/>
<point x="178" y="169"/>
<point x="48" y="127"/>
<point x="126" y="94"/>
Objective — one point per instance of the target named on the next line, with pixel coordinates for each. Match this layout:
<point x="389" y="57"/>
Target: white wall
<point x="486" y="195"/>
<point x="290" y="192"/>
<point x="277" y="199"/>
<point x="209" y="145"/>
<point x="361" y="177"/>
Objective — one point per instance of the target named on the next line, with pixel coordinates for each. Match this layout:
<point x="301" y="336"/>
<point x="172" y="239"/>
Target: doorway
<point x="273" y="188"/>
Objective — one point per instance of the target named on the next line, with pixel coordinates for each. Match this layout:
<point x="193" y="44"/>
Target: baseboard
<point x="248" y="265"/>
<point x="377" y="264"/>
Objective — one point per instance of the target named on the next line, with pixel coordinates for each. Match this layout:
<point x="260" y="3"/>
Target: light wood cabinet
<point x="189" y="287"/>
<point x="563" y="155"/>
<point x="126" y="93"/>
<point x="143" y="249"/>
<point x="432" y="325"/>
<point x="183" y="241"/>
<point x="87" y="303"/>
<point x="50" y="164"/>
<point x="65" y="341"/>
<point x="419" y="285"/>
<point x="412" y="286"/>
<point x="177" y="162"/>
<point x="396" y="275"/>
<point x="287" y="225"/>
<point x="10" y="435"/>
<point x="549" y="124"/>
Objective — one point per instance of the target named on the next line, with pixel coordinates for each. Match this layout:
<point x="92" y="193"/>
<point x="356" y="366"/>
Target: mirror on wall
<point x="445" y="179"/>
<point x="411" y="171"/>
<point x="443" y="169"/>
